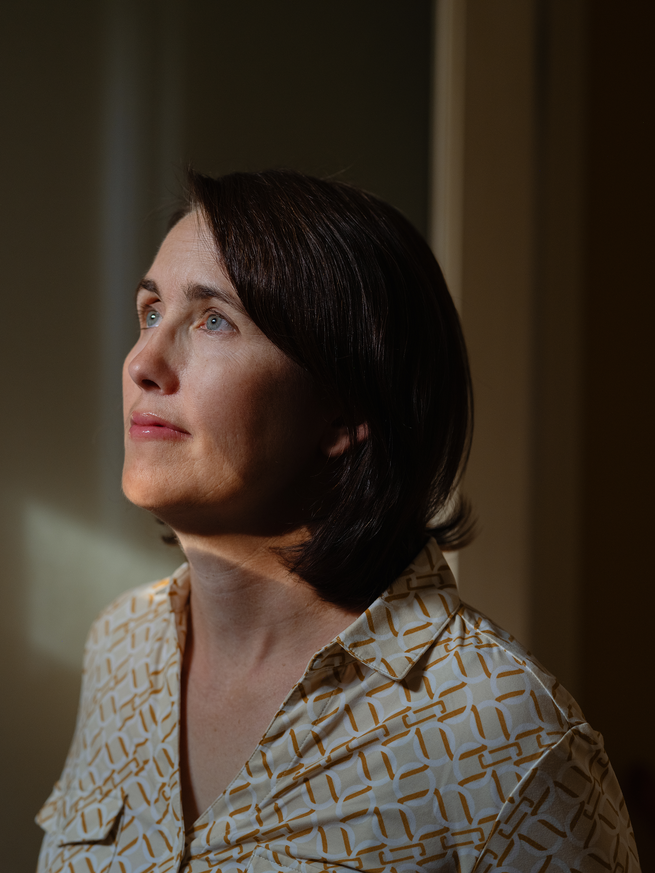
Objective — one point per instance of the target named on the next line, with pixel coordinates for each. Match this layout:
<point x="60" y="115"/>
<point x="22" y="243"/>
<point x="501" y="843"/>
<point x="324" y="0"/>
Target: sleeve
<point x="47" y="819"/>
<point x="566" y="814"/>
<point x="56" y="817"/>
<point x="51" y="814"/>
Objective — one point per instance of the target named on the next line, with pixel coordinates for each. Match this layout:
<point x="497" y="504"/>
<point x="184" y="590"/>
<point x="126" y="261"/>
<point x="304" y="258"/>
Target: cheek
<point x="287" y="422"/>
<point x="235" y="414"/>
<point x="267" y="418"/>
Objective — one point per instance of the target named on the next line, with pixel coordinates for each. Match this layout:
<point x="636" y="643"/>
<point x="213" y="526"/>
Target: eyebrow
<point x="197" y="291"/>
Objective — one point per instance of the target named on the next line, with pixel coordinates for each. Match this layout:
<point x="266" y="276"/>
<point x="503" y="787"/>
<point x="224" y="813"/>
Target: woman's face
<point x="223" y="432"/>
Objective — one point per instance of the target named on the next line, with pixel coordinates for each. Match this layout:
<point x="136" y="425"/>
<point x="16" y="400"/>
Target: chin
<point x="146" y="490"/>
<point x="171" y="501"/>
<point x="157" y="501"/>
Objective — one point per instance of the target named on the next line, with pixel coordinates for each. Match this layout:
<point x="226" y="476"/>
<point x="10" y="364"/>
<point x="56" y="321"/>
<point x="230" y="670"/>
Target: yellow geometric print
<point x="423" y="738"/>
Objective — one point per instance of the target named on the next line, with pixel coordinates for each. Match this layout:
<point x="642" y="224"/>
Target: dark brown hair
<point x="345" y="286"/>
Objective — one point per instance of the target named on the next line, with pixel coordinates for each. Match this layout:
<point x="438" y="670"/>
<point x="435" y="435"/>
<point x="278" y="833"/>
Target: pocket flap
<point x="80" y="817"/>
<point x="47" y="815"/>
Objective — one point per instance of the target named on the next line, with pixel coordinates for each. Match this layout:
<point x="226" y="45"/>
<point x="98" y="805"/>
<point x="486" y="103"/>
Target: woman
<point x="307" y="692"/>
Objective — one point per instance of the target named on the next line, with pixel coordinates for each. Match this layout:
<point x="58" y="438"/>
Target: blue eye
<point x="217" y="322"/>
<point x="152" y="318"/>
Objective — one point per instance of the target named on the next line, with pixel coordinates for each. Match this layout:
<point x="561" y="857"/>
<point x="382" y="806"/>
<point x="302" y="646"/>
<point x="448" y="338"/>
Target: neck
<point x="247" y="607"/>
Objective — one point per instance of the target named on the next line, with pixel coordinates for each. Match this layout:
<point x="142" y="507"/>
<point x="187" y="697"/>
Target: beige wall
<point x="521" y="291"/>
<point x="497" y="276"/>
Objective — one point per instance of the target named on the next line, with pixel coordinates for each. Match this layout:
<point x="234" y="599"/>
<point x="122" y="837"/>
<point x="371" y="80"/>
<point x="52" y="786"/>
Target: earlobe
<point x="336" y="440"/>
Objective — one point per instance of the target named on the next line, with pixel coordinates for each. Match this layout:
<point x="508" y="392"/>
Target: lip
<point x="148" y="426"/>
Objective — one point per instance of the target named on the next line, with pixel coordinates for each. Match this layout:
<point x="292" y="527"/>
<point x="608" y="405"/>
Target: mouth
<point x="148" y="426"/>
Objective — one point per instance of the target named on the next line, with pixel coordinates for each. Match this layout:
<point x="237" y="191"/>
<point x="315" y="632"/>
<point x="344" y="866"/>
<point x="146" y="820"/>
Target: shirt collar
<point x="396" y="630"/>
<point x="179" y="589"/>
<point x="393" y="633"/>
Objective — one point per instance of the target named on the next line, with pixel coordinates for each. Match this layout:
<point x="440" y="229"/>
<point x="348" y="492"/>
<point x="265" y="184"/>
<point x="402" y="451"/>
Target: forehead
<point x="188" y="252"/>
<point x="187" y="268"/>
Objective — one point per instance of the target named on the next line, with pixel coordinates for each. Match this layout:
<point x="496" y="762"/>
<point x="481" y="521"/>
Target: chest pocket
<point x="269" y="861"/>
<point x="82" y="828"/>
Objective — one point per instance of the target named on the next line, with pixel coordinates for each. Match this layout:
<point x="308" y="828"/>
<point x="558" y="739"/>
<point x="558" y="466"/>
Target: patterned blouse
<point x="423" y="738"/>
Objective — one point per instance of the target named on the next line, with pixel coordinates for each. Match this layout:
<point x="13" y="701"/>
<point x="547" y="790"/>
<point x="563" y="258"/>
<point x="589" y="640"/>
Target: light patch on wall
<point x="74" y="570"/>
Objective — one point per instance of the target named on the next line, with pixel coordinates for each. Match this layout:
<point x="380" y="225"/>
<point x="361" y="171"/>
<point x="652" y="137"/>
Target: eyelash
<point x="214" y="313"/>
<point x="144" y="310"/>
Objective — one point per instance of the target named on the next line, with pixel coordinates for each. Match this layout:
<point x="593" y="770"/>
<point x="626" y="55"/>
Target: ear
<point x="336" y="439"/>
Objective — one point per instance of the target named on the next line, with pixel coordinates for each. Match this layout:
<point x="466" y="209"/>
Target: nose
<point x="151" y="363"/>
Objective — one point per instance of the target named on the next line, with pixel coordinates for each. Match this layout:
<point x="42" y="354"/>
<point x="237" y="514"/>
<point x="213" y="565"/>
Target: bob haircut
<point x="345" y="286"/>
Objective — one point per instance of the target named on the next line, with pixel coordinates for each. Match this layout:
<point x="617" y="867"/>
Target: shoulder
<point x="497" y="711"/>
<point x="511" y="726"/>
<point x="567" y="809"/>
<point x="129" y="649"/>
<point x="497" y="664"/>
<point x="128" y="610"/>
<point x="134" y="624"/>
